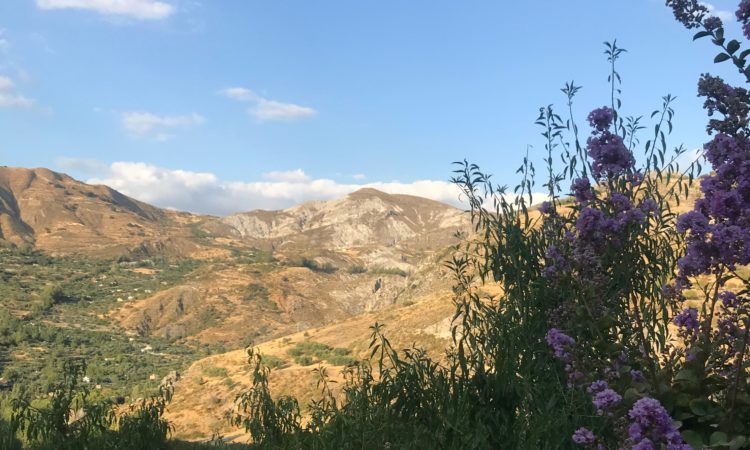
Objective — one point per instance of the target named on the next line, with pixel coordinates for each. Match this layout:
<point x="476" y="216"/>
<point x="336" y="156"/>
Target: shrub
<point x="304" y="360"/>
<point x="215" y="372"/>
<point x="313" y="265"/>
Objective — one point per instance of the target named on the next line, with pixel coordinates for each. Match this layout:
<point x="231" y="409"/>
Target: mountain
<point x="321" y="271"/>
<point x="307" y="266"/>
<point x="363" y="218"/>
<point x="263" y="273"/>
<point x="60" y="215"/>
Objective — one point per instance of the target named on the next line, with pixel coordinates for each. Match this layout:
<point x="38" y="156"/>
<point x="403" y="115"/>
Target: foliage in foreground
<point x="72" y="420"/>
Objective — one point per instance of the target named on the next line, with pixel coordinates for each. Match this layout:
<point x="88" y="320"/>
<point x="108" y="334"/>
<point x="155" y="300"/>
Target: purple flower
<point x="687" y="318"/>
<point x="652" y="426"/>
<point x="694" y="221"/>
<point x="584" y="436"/>
<point x="649" y="206"/>
<point x="601" y="118"/>
<point x="597" y="386"/>
<point x="610" y="157"/>
<point x="645" y="444"/>
<point x="555" y="261"/>
<point x="688" y="12"/>
<point x="636" y="376"/>
<point x="605" y="400"/>
<point x="728" y="299"/>
<point x="560" y="342"/>
<point x="636" y="179"/>
<point x="712" y="23"/>
<point x="620" y="202"/>
<point x="743" y="15"/>
<point x="547" y="208"/>
<point x="582" y="190"/>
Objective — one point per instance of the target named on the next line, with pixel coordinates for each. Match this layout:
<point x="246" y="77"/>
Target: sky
<point x="219" y="106"/>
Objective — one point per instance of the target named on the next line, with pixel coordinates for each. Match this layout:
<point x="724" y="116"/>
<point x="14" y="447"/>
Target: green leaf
<point x="700" y="406"/>
<point x="686" y="375"/>
<point x="733" y="46"/>
<point x="737" y="442"/>
<point x="718" y="438"/>
<point x="721" y="57"/>
<point x="693" y="439"/>
<point x="701" y="34"/>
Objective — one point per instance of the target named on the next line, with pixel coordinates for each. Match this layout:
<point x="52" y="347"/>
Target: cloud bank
<point x="205" y="193"/>
<point x="137" y="9"/>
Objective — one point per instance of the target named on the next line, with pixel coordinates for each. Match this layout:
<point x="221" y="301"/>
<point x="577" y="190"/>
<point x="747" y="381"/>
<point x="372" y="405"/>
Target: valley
<point x="139" y="292"/>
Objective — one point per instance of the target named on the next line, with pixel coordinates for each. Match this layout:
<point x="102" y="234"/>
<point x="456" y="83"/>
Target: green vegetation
<point x="252" y="256"/>
<point x="309" y="352"/>
<point x="215" y="372"/>
<point x="388" y="271"/>
<point x="312" y="265"/>
<point x="72" y="417"/>
<point x="274" y="362"/>
<point x="357" y="269"/>
<point x="52" y="311"/>
<point x="255" y="292"/>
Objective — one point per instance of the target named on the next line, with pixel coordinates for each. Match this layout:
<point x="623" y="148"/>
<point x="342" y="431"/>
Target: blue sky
<point x="225" y="105"/>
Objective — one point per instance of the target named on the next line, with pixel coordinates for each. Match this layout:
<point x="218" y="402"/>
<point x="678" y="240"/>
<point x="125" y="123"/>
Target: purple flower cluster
<point x="556" y="261"/>
<point x="547" y="208"/>
<point x="610" y="157"/>
<point x="651" y="427"/>
<point x="584" y="436"/>
<point x="688" y="12"/>
<point x="730" y="102"/>
<point x="604" y="398"/>
<point x="687" y="320"/>
<point x="560" y="343"/>
<point x="636" y="376"/>
<point x="743" y="15"/>
<point x="601" y="118"/>
<point x="582" y="190"/>
<point x="719" y="225"/>
<point x="712" y="23"/>
<point x="729" y="299"/>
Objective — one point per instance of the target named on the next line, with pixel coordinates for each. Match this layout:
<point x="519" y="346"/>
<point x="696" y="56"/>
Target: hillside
<point x="366" y="217"/>
<point x="166" y="288"/>
<point x="60" y="215"/>
<point x="323" y="262"/>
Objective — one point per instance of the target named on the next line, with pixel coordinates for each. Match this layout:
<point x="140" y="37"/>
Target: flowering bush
<point x="620" y="325"/>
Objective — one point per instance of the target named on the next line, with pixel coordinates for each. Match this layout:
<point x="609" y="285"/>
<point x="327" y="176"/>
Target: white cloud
<point x="240" y="94"/>
<point x="10" y="97"/>
<point x="204" y="192"/>
<point x="359" y="176"/>
<point x="138" y="9"/>
<point x="266" y="110"/>
<point x="290" y="176"/>
<point x="720" y="13"/>
<point x="146" y="124"/>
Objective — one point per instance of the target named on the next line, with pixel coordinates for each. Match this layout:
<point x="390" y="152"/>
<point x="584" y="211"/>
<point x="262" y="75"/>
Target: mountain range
<point x="321" y="271"/>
